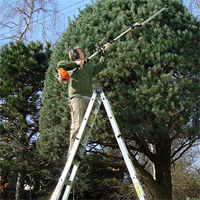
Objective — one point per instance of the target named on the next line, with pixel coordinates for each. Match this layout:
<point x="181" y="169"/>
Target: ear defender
<point x="75" y="54"/>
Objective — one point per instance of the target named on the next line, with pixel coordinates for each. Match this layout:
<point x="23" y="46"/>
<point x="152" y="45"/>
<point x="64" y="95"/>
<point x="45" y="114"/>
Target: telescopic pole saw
<point x="65" y="75"/>
<point x="132" y="27"/>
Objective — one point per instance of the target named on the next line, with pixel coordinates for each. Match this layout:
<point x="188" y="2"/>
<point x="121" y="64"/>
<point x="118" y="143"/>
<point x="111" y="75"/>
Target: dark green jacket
<point x="80" y="83"/>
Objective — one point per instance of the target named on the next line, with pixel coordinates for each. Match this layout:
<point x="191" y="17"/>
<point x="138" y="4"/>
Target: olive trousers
<point x="78" y="109"/>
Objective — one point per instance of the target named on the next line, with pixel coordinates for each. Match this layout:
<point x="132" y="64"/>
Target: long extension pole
<point x="132" y="27"/>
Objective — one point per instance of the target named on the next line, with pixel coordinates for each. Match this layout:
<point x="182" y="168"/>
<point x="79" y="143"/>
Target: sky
<point x="66" y="9"/>
<point x="70" y="8"/>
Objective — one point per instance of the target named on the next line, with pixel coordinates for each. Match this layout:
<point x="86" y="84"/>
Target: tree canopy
<point x="151" y="81"/>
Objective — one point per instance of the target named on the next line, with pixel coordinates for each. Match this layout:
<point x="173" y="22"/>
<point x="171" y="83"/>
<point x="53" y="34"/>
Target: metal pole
<point x="134" y="26"/>
<point x="152" y="16"/>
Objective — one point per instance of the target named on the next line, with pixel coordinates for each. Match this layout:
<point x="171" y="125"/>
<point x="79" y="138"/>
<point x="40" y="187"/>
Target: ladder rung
<point x="68" y="182"/>
<point x="120" y="135"/>
<point x="76" y="162"/>
<point x="82" y="144"/>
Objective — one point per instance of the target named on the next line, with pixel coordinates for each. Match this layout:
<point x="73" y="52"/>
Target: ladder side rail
<point x="75" y="168"/>
<point x="61" y="182"/>
<point x="123" y="148"/>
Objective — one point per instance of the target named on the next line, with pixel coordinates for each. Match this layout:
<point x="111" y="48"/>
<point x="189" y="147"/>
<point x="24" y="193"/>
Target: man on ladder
<point x="80" y="87"/>
<point x="83" y="118"/>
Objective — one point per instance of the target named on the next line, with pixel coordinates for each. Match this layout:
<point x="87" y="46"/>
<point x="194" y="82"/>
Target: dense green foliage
<point x="23" y="70"/>
<point x="151" y="81"/>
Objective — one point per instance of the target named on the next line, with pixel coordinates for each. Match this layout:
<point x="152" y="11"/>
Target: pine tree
<point x="151" y="81"/>
<point x="23" y="70"/>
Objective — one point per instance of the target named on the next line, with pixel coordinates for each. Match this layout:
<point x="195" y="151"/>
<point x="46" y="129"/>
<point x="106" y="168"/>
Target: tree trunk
<point x="163" y="167"/>
<point x="20" y="185"/>
<point x="161" y="186"/>
<point x="21" y="179"/>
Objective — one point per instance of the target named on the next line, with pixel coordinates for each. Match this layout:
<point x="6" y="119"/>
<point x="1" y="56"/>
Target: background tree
<point x="23" y="69"/>
<point x="151" y="82"/>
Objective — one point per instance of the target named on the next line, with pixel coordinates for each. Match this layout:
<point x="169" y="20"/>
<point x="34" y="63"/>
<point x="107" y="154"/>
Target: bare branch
<point x="198" y="4"/>
<point x="27" y="18"/>
<point x="31" y="6"/>
<point x="182" y="148"/>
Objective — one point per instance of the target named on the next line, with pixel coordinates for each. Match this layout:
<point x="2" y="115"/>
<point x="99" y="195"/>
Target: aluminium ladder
<point x="71" y="166"/>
